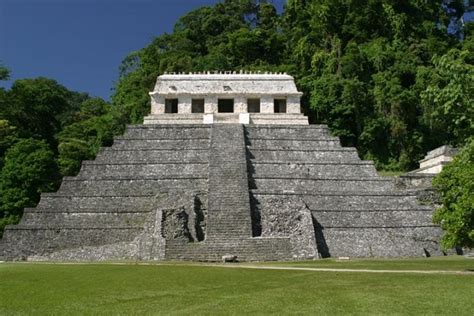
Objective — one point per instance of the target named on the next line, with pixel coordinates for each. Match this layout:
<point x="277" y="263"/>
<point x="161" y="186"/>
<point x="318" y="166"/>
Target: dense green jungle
<point x="394" y="78"/>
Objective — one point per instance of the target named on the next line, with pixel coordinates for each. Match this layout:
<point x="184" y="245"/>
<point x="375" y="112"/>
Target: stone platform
<point x="198" y="192"/>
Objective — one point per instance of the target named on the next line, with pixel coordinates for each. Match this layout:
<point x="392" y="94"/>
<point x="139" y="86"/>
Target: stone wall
<point x="354" y="211"/>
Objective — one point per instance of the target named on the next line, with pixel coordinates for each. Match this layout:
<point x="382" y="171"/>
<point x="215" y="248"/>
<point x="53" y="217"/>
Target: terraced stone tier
<point x="262" y="169"/>
<point x="294" y="184"/>
<point x="92" y="218"/>
<point x="419" y="217"/>
<point x="21" y="242"/>
<point x="399" y="241"/>
<point x="55" y="201"/>
<point x="250" y="249"/>
<point x="161" y="143"/>
<point x="340" y="155"/>
<point x="168" y="118"/>
<point x="152" y="156"/>
<point x="142" y="170"/>
<point x="309" y="132"/>
<point x="130" y="187"/>
<point x="167" y="131"/>
<point x="279" y="119"/>
<point x="294" y="144"/>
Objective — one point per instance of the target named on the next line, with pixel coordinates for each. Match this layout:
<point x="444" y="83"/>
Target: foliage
<point x="456" y="186"/>
<point x="449" y="97"/>
<point x="4" y="73"/>
<point x="81" y="140"/>
<point x="43" y="125"/>
<point x="29" y="168"/>
<point x="34" y="106"/>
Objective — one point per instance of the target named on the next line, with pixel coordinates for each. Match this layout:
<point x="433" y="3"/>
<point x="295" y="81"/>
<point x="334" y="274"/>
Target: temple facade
<point x="228" y="97"/>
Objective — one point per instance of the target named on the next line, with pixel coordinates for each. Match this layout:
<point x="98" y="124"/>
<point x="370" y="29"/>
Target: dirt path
<point x="343" y="270"/>
<point x="259" y="267"/>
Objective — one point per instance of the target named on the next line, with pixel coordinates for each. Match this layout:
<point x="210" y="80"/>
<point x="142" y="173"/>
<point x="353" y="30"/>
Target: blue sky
<point x="80" y="43"/>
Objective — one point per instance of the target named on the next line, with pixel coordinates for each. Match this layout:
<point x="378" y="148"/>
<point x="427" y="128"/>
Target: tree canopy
<point x="456" y="185"/>
<point x="370" y="69"/>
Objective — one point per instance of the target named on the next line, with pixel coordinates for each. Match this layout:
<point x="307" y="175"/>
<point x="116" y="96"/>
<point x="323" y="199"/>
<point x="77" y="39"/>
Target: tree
<point x="449" y="97"/>
<point x="34" y="107"/>
<point x="456" y="186"/>
<point x="95" y="125"/>
<point x="29" y="169"/>
<point x="8" y="135"/>
<point x="4" y="73"/>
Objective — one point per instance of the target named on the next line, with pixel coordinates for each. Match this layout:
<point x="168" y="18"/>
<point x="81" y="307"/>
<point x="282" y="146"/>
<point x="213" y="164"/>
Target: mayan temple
<point x="225" y="164"/>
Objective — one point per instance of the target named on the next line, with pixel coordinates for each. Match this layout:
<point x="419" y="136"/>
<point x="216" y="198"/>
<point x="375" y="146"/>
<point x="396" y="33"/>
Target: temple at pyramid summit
<point x="225" y="165"/>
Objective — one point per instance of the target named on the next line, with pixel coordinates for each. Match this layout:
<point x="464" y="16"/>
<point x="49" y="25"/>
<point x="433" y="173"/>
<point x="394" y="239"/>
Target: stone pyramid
<point x="199" y="192"/>
<point x="225" y="165"/>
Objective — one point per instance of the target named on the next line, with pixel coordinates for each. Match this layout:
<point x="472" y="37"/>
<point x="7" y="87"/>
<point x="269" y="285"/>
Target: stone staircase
<point x="229" y="227"/>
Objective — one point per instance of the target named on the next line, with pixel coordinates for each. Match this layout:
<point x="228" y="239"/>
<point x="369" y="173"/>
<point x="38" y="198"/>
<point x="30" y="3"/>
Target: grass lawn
<point x="451" y="263"/>
<point x="391" y="173"/>
<point x="90" y="289"/>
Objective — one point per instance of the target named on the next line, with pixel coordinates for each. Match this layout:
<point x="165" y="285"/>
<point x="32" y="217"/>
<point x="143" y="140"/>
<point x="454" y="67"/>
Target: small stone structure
<point x="227" y="97"/>
<point x="274" y="189"/>
<point x="436" y="159"/>
<point x="421" y="179"/>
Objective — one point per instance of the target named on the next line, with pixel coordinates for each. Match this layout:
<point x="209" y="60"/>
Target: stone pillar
<point x="157" y="104"/>
<point x="240" y="104"/>
<point x="184" y="104"/>
<point x="266" y="104"/>
<point x="210" y="104"/>
<point x="293" y="104"/>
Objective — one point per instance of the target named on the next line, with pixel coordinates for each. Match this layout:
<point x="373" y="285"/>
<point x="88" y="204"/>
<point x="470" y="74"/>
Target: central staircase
<point x="229" y="223"/>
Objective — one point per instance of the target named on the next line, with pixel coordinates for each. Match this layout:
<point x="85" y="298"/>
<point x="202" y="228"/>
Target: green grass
<point x="90" y="289"/>
<point x="391" y="173"/>
<point x="450" y="263"/>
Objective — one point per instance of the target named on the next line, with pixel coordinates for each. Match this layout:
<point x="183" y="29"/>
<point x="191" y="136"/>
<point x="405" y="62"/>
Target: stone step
<point x="348" y="203"/>
<point x="31" y="240"/>
<point x="130" y="187"/>
<point x="379" y="241"/>
<point x="279" y="119"/>
<point x="302" y="170"/>
<point x="183" y="143"/>
<point x="303" y="184"/>
<point x="171" y="118"/>
<point x="93" y="219"/>
<point x="337" y="194"/>
<point x="112" y="156"/>
<point x="246" y="249"/>
<point x="358" y="202"/>
<point x="342" y="155"/>
<point x="296" y="132"/>
<point x="374" y="218"/>
<point x="282" y="144"/>
<point x="70" y="208"/>
<point x="55" y="201"/>
<point x="167" y="131"/>
<point x="142" y="171"/>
